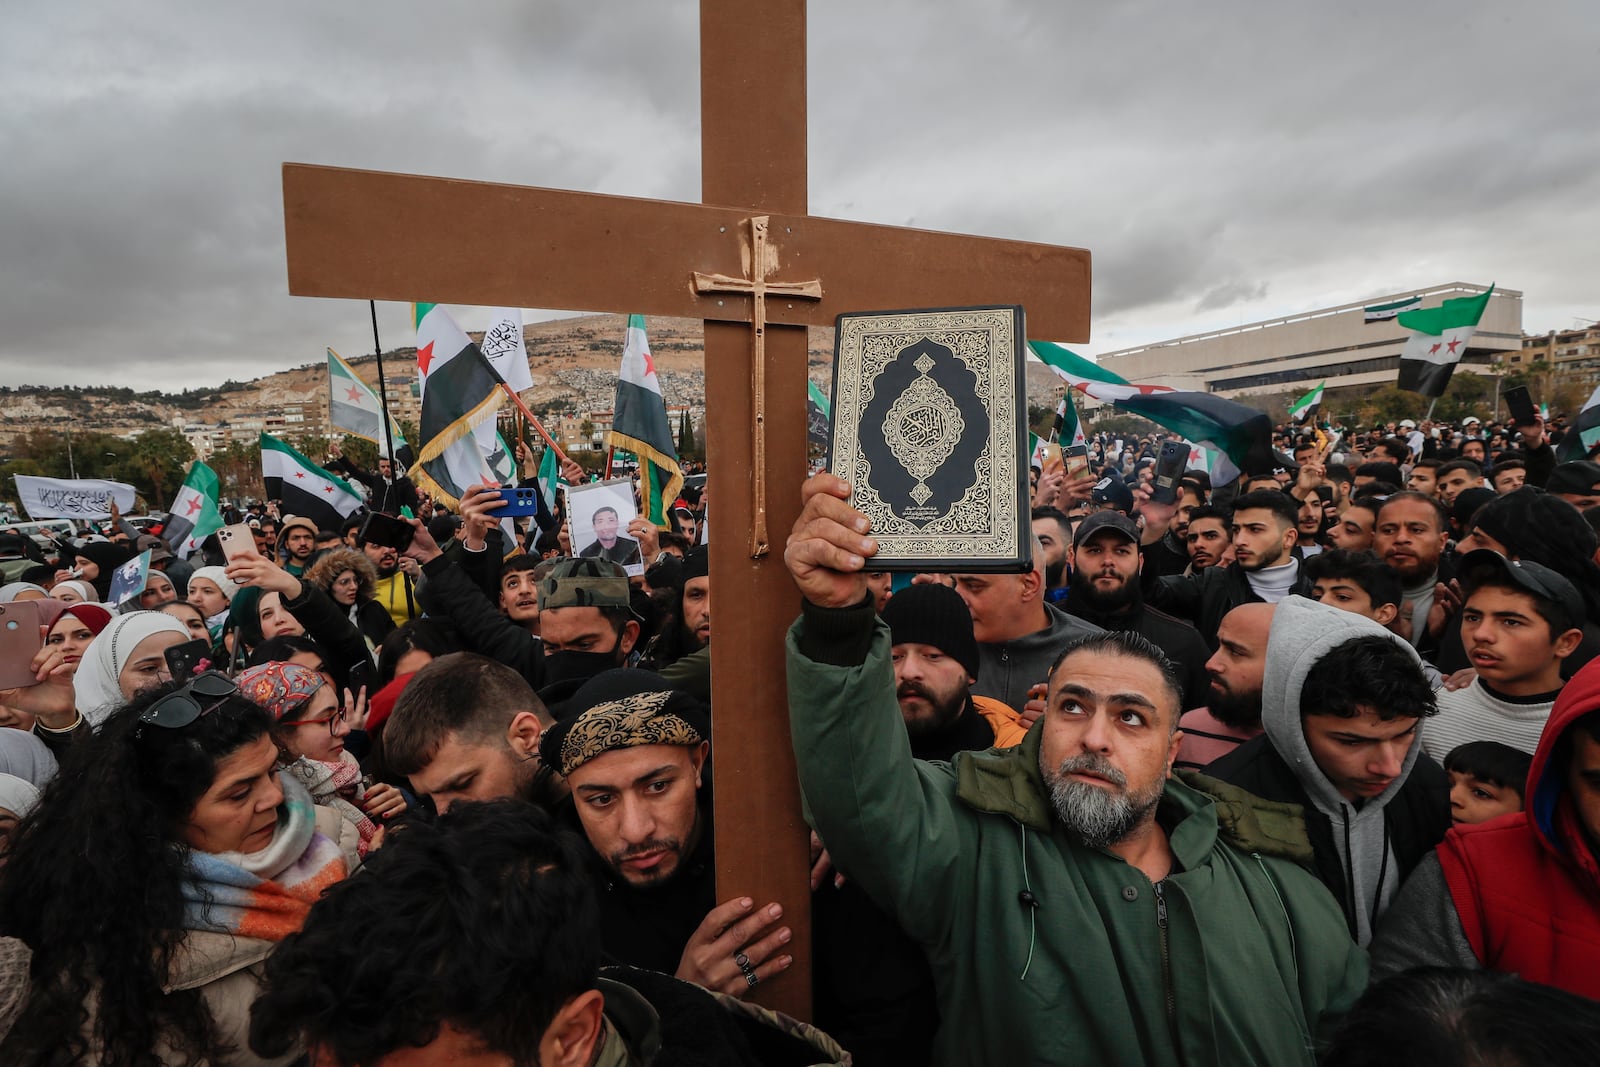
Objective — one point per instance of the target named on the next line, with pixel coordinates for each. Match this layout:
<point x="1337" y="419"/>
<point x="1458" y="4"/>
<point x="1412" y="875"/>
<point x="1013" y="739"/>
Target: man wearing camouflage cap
<point x="585" y="621"/>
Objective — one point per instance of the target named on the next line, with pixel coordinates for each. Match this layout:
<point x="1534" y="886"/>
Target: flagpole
<point x="532" y="419"/>
<point x="383" y="388"/>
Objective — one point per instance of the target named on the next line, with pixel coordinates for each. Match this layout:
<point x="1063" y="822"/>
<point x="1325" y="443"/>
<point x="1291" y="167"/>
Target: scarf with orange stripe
<point x="265" y="894"/>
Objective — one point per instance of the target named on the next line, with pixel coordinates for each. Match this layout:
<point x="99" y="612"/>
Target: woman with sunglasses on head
<point x="310" y="728"/>
<point x="191" y="856"/>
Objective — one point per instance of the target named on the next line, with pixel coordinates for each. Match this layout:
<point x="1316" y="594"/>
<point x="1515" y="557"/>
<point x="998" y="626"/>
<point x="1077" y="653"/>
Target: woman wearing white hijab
<point x="25" y="756"/>
<point x="16" y="591"/>
<point x="17" y="798"/>
<point x="74" y="591"/>
<point x="127" y="656"/>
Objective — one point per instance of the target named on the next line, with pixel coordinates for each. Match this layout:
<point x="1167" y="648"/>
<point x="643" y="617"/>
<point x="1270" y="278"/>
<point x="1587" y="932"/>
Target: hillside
<point x="573" y="362"/>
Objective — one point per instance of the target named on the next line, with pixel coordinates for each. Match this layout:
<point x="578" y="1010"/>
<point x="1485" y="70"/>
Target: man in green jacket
<point x="1077" y="904"/>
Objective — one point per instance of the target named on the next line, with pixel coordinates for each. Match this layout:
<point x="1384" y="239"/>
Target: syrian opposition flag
<point x="1385" y="312"/>
<point x="303" y="488"/>
<point x="818" y="415"/>
<point x="1305" y="408"/>
<point x="1584" y="433"/>
<point x="639" y="425"/>
<point x="460" y="394"/>
<point x="354" y="408"/>
<point x="549" y="478"/>
<point x="1068" y="427"/>
<point x="195" y="514"/>
<point x="1069" y="366"/>
<point x="506" y="349"/>
<point x="1438" y="340"/>
<point x="1241" y="434"/>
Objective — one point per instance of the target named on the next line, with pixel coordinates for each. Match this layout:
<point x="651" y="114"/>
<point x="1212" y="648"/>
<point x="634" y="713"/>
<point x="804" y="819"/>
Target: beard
<point x="662" y="871"/>
<point x="945" y="710"/>
<point x="1268" y="557"/>
<point x="1238" y="710"/>
<point x="1107" y="601"/>
<point x="1054" y="572"/>
<point x="1097" y="816"/>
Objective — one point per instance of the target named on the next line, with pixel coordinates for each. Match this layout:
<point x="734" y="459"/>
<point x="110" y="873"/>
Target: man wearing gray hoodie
<point x="1341" y="702"/>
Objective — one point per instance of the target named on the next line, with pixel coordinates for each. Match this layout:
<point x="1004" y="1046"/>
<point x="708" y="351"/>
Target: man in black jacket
<point x="1265" y="569"/>
<point x="1105" y="591"/>
<point x="1342" y="703"/>
<point x="388" y="490"/>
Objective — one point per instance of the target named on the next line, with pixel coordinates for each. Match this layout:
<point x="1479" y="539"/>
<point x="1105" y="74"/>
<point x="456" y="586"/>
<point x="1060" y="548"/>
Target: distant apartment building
<point x="1293" y="353"/>
<point x="1563" y="351"/>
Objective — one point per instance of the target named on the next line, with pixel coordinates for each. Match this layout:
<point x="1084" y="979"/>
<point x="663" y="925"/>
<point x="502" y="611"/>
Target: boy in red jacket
<point x="1521" y="893"/>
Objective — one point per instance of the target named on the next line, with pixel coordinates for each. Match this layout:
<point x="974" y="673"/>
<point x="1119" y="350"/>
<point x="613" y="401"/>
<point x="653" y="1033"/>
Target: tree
<point x="157" y="462"/>
<point x="1390" y="404"/>
<point x="359" y="451"/>
<point x="686" y="443"/>
<point x="1467" y="394"/>
<point x="238" y="467"/>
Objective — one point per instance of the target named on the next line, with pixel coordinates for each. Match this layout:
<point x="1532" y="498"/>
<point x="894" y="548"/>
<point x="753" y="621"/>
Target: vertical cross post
<point x="754" y="156"/>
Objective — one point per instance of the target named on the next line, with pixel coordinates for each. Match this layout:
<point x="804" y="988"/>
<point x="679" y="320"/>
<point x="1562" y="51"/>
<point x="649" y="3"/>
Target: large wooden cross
<point x="748" y="256"/>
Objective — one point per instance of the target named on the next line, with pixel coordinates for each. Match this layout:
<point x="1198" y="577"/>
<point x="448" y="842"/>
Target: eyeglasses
<point x="177" y="710"/>
<point x="337" y="716"/>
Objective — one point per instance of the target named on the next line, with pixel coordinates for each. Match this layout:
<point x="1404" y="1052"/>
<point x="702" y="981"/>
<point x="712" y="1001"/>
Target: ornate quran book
<point x="930" y="429"/>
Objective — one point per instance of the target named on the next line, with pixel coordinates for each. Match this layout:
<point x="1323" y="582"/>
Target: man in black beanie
<point x="935" y="663"/>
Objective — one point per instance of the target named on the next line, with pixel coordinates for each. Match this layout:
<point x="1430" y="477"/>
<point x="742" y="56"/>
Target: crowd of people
<point x="1304" y="768"/>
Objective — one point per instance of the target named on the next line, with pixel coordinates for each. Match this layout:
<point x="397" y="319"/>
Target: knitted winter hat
<point x="933" y="615"/>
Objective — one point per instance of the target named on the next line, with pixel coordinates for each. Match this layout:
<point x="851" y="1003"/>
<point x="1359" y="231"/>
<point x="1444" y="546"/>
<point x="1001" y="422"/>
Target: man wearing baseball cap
<point x="1104" y="589"/>
<point x="1519" y="621"/>
<point x="1111" y="493"/>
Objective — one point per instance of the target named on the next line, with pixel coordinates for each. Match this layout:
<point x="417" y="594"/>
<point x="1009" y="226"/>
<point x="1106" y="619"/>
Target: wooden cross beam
<point x="362" y="235"/>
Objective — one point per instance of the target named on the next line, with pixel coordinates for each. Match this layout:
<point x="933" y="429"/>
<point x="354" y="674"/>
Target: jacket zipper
<point x="1166" y="969"/>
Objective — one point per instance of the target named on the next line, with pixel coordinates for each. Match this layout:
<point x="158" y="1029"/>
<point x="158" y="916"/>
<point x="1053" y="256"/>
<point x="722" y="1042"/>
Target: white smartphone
<point x="236" y="540"/>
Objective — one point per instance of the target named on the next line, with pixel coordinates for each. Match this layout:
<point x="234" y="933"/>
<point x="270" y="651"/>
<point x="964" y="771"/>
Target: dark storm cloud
<point x="1224" y="162"/>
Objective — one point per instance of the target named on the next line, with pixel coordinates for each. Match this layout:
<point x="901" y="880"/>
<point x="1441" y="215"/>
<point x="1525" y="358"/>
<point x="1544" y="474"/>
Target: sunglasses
<point x="177" y="710"/>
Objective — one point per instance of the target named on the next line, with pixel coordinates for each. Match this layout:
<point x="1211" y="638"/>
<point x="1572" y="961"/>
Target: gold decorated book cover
<point x="930" y="429"/>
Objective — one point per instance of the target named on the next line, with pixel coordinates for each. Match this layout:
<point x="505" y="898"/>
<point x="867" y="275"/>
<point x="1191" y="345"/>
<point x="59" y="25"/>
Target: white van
<point x="42" y="530"/>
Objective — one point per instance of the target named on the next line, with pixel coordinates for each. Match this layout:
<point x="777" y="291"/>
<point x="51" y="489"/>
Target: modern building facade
<point x="1337" y="345"/>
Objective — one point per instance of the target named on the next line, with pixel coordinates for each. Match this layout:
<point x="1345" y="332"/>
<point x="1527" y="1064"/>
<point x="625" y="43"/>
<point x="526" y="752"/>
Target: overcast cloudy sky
<point x="1225" y="162"/>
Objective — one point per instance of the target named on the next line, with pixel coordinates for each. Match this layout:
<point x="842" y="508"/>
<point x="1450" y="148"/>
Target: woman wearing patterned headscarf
<point x="309" y="728"/>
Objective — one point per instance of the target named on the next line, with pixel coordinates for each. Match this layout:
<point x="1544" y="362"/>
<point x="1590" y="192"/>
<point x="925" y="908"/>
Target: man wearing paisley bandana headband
<point x="634" y="754"/>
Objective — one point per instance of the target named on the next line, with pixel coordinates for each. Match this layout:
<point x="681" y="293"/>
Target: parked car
<point x="44" y="531"/>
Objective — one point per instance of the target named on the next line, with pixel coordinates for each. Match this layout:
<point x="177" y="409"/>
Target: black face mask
<point x="568" y="665"/>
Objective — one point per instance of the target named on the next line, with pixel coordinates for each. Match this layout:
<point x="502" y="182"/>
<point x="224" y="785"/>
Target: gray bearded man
<point x="1030" y="875"/>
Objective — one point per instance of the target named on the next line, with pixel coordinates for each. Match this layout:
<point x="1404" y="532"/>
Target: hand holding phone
<point x="387" y="531"/>
<point x="236" y="541"/>
<point x="21" y="638"/>
<point x="1519" y="402"/>
<point x="1170" y="466"/>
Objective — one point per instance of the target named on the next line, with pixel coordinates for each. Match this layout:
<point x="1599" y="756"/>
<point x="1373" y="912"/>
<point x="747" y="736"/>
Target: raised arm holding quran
<point x="758" y="270"/>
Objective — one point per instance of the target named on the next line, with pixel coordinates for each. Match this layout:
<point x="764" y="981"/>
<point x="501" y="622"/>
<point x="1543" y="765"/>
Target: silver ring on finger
<point x="743" y="961"/>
